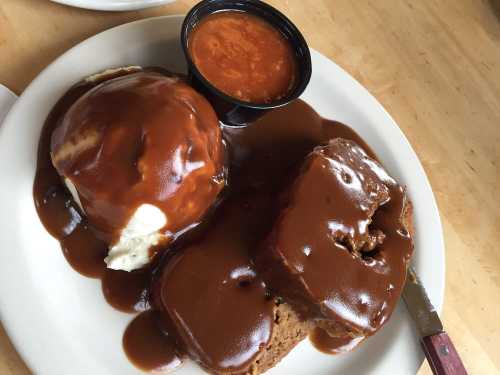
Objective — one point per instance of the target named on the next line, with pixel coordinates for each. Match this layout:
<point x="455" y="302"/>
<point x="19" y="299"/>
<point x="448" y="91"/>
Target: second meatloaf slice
<point x="339" y="249"/>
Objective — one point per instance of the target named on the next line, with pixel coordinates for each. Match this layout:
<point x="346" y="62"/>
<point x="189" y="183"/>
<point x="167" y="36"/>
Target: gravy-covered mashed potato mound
<point x="142" y="155"/>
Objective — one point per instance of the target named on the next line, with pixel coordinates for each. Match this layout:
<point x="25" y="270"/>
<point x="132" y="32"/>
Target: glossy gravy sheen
<point x="148" y="346"/>
<point x="262" y="157"/>
<point x="154" y="139"/>
<point x="243" y="56"/>
<point x="220" y="289"/>
<point x="338" y="250"/>
<point x="333" y="345"/>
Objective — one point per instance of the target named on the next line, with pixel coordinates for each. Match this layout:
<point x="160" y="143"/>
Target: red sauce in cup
<point x="243" y="56"/>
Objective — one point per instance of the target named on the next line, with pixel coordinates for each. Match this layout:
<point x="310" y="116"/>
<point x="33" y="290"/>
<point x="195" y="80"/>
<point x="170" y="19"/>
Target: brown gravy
<point x="127" y="291"/>
<point x="338" y="251"/>
<point x="243" y="56"/>
<point x="211" y="292"/>
<point x="333" y="345"/>
<point x="156" y="141"/>
<point x="262" y="157"/>
<point x="148" y="347"/>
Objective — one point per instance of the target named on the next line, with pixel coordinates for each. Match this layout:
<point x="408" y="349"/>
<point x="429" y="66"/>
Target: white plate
<point x="59" y="321"/>
<point x="114" y="5"/>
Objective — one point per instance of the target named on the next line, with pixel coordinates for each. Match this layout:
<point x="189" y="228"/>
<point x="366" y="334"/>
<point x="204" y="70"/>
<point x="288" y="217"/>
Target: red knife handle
<point x="442" y="355"/>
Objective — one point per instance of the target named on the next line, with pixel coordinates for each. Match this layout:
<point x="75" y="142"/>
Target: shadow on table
<point x="495" y="6"/>
<point x="490" y="18"/>
<point x="10" y="361"/>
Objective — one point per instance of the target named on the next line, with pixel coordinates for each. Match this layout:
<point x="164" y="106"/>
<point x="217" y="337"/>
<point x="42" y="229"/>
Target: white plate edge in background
<point x="113" y="5"/>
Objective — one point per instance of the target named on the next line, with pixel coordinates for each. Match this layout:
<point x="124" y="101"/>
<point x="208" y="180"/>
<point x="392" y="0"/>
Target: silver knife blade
<point x="419" y="306"/>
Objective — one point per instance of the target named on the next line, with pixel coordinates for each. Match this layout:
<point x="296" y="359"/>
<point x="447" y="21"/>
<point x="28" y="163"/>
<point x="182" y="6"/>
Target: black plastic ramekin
<point x="232" y="111"/>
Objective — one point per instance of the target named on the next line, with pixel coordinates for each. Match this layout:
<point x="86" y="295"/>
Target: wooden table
<point x="435" y="66"/>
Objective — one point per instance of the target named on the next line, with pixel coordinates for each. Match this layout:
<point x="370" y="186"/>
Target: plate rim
<point x="15" y="338"/>
<point x="115" y="6"/>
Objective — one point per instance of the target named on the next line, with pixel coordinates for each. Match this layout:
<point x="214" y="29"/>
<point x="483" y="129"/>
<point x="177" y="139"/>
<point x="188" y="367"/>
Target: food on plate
<point x="143" y="157"/>
<point x="309" y="238"/>
<point x="148" y="347"/>
<point x="234" y="243"/>
<point x="223" y="316"/>
<point x="243" y="56"/>
<point x="339" y="249"/>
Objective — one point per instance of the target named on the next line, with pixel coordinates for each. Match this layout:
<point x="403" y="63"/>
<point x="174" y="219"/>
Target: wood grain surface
<point x="433" y="64"/>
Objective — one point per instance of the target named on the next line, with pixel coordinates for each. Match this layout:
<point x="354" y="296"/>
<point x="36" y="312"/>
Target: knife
<point x="438" y="348"/>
